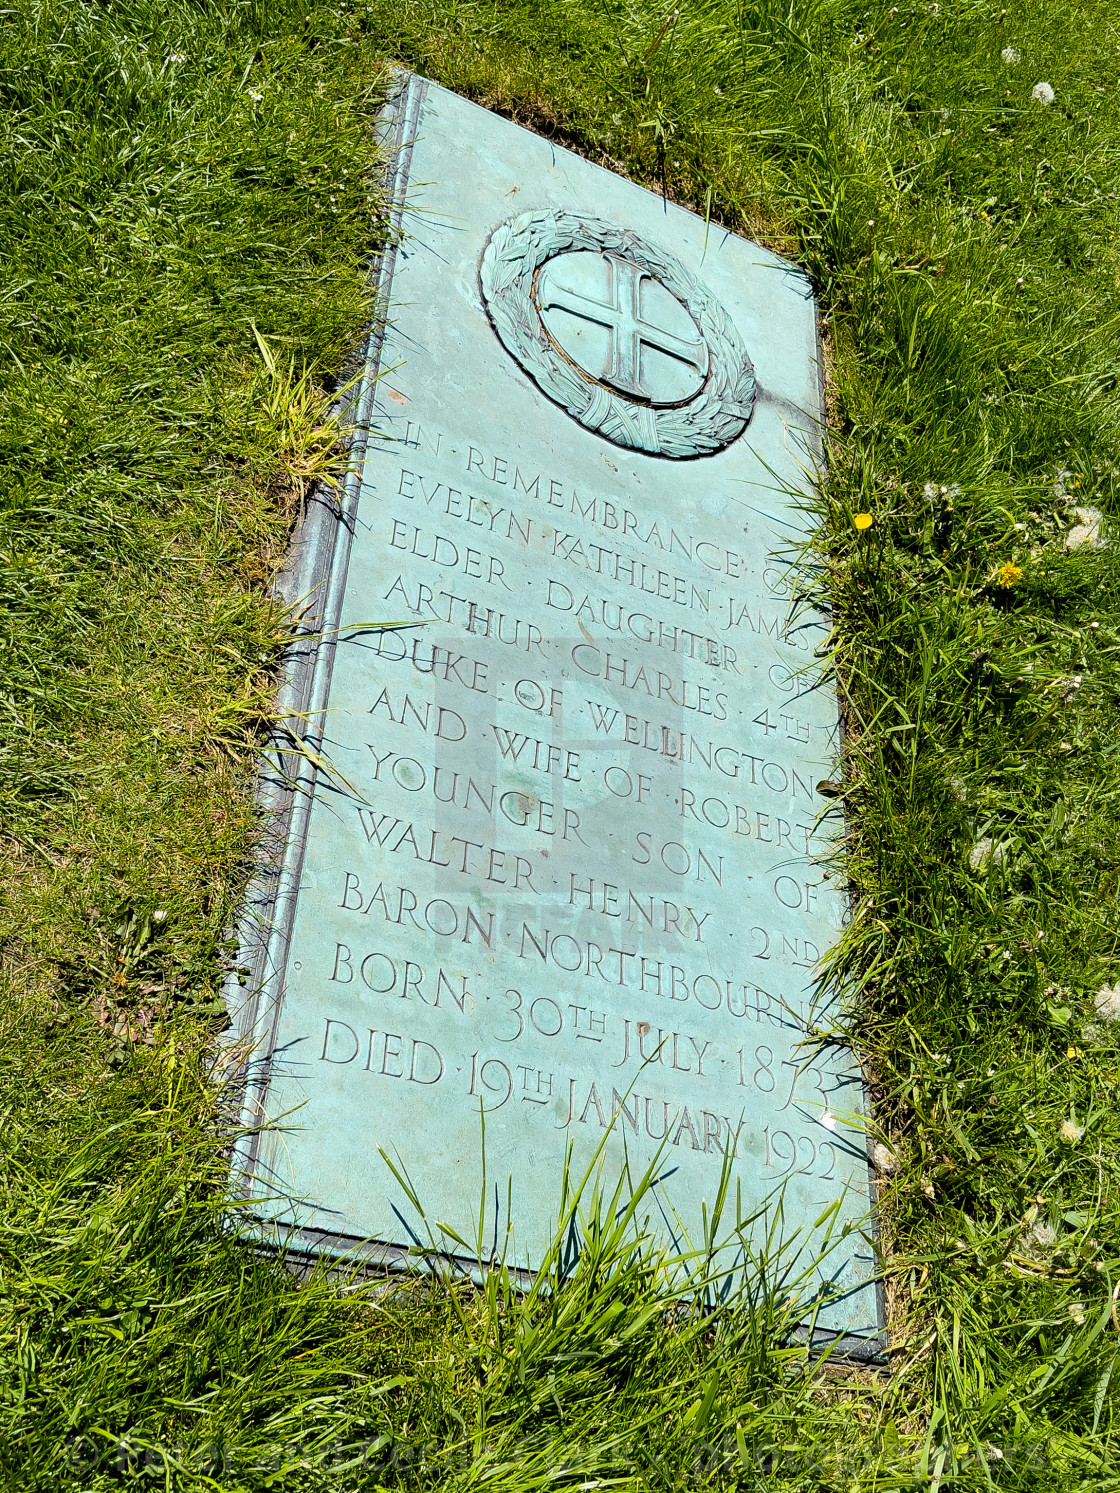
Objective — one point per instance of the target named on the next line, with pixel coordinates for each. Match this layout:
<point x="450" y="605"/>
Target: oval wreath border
<point x="715" y="416"/>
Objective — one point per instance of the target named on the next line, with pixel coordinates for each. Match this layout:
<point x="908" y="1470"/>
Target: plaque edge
<point x="288" y="769"/>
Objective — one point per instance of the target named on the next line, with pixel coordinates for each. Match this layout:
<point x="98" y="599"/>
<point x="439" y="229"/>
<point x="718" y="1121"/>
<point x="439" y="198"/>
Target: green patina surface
<point x="569" y="872"/>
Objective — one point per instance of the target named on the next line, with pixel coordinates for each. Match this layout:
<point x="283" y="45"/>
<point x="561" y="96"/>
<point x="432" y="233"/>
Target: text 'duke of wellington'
<point x="555" y="864"/>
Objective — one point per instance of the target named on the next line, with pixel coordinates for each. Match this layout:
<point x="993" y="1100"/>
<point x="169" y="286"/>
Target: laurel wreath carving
<point x="712" y="419"/>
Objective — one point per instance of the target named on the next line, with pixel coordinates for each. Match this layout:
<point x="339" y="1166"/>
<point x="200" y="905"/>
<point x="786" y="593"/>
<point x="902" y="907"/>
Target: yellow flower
<point x="863" y="520"/>
<point x="1008" y="574"/>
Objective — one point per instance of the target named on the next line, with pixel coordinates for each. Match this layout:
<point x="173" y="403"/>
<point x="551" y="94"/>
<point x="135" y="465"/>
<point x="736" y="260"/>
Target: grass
<point x="184" y="274"/>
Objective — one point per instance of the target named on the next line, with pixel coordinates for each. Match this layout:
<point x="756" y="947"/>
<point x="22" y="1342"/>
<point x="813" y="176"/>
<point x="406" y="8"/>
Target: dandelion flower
<point x="885" y="1159"/>
<point x="1060" y="480"/>
<point x="1086" y="533"/>
<point x="1042" y="94"/>
<point x="1008" y="574"/>
<point x="1106" y="1003"/>
<point x="985" y="853"/>
<point x="929" y="492"/>
<point x="863" y="521"/>
<point x="1010" y="55"/>
<point x="1071" y="1131"/>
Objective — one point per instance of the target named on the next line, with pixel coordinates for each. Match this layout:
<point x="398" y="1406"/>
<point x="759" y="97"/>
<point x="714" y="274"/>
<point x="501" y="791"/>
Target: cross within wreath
<point x="627" y="329"/>
<point x="617" y="407"/>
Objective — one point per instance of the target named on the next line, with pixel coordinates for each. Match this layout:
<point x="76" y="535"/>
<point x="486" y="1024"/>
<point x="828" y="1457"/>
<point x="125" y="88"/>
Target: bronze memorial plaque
<point x="552" y="862"/>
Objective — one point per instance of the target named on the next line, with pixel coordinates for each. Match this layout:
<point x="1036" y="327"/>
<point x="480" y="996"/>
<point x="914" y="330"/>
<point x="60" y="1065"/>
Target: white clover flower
<point x="1010" y="55"/>
<point x="1067" y="688"/>
<point x="1076" y="1310"/>
<point x="986" y="853"/>
<point x="1106" y="1003"/>
<point x="885" y="1159"/>
<point x="1038" y="1241"/>
<point x="1042" y="94"/>
<point x="1087" y="531"/>
<point x="1071" y="1131"/>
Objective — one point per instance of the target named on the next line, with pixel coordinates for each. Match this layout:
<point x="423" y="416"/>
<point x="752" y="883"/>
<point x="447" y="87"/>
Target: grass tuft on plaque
<point x="188" y="205"/>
